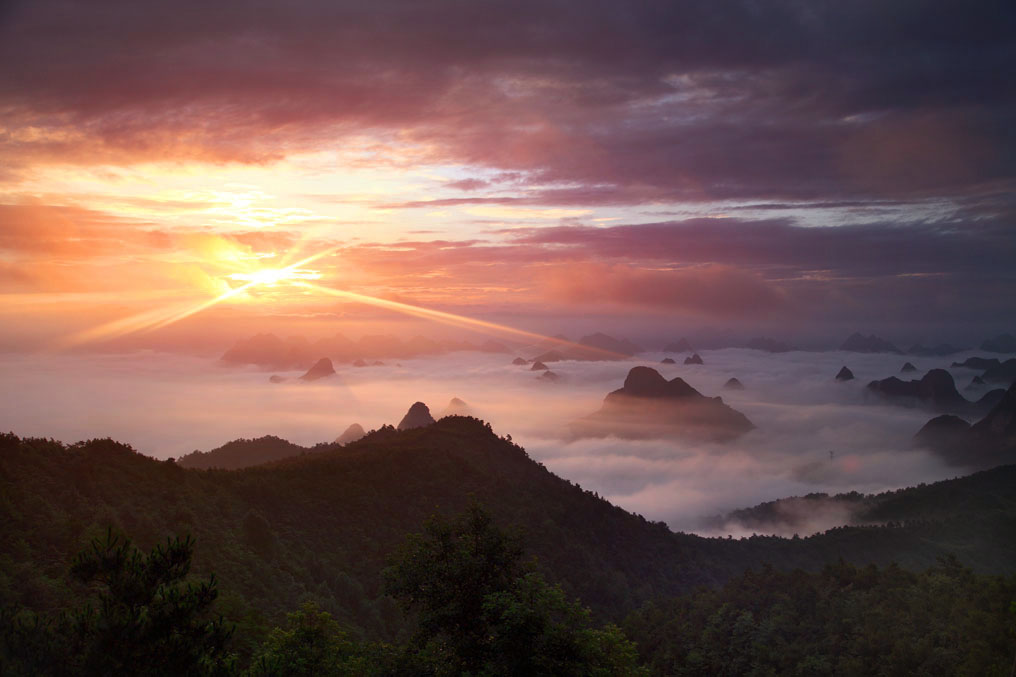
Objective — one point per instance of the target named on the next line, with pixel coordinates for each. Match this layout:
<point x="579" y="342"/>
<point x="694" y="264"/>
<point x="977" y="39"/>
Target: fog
<point x="812" y="433"/>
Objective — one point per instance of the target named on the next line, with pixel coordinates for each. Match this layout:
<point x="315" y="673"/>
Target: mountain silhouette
<point x="649" y="406"/>
<point x="987" y="443"/>
<point x="858" y="343"/>
<point x="456" y="407"/>
<point x="680" y="346"/>
<point x="980" y="363"/>
<point x="1003" y="343"/>
<point x="322" y="369"/>
<point x="351" y="434"/>
<point x="418" y="416"/>
<point x="844" y="374"/>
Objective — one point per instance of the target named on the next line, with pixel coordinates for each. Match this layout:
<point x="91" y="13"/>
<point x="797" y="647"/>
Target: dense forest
<point x="320" y="528"/>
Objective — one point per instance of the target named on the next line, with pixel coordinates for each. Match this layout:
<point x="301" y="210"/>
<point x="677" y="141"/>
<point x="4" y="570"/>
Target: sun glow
<point x="271" y="277"/>
<point x="297" y="275"/>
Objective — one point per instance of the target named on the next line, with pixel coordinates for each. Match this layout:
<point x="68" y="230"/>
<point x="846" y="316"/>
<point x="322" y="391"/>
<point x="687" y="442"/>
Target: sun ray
<point x="483" y="326"/>
<point x="158" y="318"/>
<point x="294" y="275"/>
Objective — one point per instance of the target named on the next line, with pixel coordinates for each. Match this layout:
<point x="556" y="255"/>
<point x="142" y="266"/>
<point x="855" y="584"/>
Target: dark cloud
<point x="630" y="102"/>
<point x="711" y="290"/>
<point x="868" y="249"/>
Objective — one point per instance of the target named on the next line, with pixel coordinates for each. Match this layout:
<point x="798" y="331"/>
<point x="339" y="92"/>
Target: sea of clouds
<point x="812" y="433"/>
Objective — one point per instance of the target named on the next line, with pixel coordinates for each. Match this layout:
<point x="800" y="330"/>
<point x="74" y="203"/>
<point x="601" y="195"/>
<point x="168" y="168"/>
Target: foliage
<point x="319" y="527"/>
<point x="845" y="620"/>
<point x="311" y="644"/>
<point x="482" y="610"/>
<point x="147" y="620"/>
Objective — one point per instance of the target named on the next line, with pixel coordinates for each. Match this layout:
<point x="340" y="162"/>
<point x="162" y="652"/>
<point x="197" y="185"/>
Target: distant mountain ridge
<point x="594" y="347"/>
<point x="988" y="442"/>
<point x="296" y="352"/>
<point x="936" y="390"/>
<point x="858" y="343"/>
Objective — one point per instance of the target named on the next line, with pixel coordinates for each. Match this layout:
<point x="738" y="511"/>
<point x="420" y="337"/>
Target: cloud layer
<point x="634" y="102"/>
<point x="813" y="434"/>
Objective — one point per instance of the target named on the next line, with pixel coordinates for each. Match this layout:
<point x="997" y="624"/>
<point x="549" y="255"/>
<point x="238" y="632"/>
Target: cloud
<point x="167" y="405"/>
<point x="713" y="290"/>
<point x="631" y="103"/>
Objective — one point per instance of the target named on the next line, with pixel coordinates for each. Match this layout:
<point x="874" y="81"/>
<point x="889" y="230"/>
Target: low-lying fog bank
<point x="812" y="434"/>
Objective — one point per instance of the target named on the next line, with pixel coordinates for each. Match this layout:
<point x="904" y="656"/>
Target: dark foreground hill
<point x="320" y="526"/>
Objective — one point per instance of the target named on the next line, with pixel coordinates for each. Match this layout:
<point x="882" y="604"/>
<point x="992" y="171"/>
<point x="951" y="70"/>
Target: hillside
<point x="242" y="453"/>
<point x="320" y="526"/>
<point x="981" y="494"/>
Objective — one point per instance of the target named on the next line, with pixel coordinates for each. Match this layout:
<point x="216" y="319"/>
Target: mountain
<point x="1003" y="343"/>
<point x="844" y="374"/>
<point x="538" y="366"/>
<point x="321" y="369"/>
<point x="649" y="406"/>
<point x="242" y="453"/>
<point x="768" y="345"/>
<point x="296" y="352"/>
<point x="518" y="361"/>
<point x="351" y="434"/>
<point x="907" y="368"/>
<point x="594" y="347"/>
<point x="270" y="352"/>
<point x="603" y="342"/>
<point x="976" y="382"/>
<point x="981" y="493"/>
<point x="668" y="360"/>
<point x="456" y="407"/>
<point x="857" y="343"/>
<point x="940" y="350"/>
<point x="550" y="376"/>
<point x="550" y="356"/>
<point x="978" y="363"/>
<point x="321" y="526"/>
<point x="490" y="346"/>
<point x="681" y="346"/>
<point x="1000" y="423"/>
<point x="935" y="390"/>
<point x="694" y="359"/>
<point x="733" y="384"/>
<point x="987" y="443"/>
<point x="1003" y="373"/>
<point x="418" y="416"/>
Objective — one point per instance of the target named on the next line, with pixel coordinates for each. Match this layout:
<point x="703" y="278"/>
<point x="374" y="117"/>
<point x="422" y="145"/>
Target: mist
<point x="812" y="433"/>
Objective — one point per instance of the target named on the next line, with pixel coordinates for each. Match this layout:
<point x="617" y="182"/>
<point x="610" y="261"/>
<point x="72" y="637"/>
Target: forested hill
<point x="983" y="493"/>
<point x="243" y="453"/>
<point x="320" y="526"/>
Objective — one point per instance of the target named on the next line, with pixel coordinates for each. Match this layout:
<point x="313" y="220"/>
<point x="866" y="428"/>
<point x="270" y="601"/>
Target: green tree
<point x="313" y="643"/>
<point x="482" y="610"/>
<point x="147" y="621"/>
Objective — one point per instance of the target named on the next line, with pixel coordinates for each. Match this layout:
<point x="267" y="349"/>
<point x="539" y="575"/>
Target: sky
<point x="179" y="174"/>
